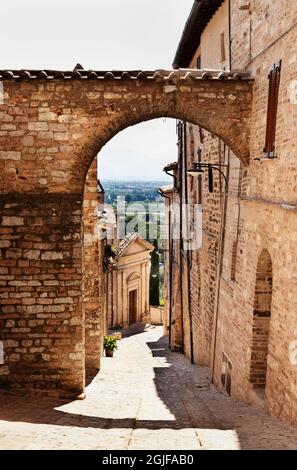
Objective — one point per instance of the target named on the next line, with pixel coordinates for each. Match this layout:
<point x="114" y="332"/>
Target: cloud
<point x="102" y="35"/>
<point x="139" y="152"/>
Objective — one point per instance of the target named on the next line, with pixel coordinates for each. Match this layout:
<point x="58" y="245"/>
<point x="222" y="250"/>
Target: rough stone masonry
<point x="52" y="125"/>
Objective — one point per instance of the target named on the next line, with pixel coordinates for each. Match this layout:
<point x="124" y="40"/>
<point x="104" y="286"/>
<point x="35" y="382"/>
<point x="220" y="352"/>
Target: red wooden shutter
<point x="274" y="82"/>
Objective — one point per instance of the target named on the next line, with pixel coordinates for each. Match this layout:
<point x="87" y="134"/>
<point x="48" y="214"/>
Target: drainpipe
<point x="170" y="277"/>
<point x="174" y="179"/>
<point x="181" y="234"/>
<point x="106" y="287"/>
<point x="229" y="27"/>
<point x="188" y="254"/>
<point x="220" y="267"/>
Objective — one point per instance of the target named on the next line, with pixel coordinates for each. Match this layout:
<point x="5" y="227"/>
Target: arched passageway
<point x="61" y="121"/>
<point x="261" y="321"/>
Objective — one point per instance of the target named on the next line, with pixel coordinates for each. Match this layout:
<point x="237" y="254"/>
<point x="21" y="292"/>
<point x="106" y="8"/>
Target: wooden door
<point x="132" y="306"/>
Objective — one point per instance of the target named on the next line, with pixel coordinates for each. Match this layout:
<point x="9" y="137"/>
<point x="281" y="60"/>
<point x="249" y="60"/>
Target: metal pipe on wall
<point x="188" y="254"/>
<point x="180" y="167"/>
<point x="220" y="258"/>
<point x="229" y="27"/>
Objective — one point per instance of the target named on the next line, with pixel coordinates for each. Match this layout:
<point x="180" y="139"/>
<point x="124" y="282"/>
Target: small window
<point x="223" y="51"/>
<point x="273" y="90"/>
<point x="198" y="62"/>
<point x="1" y="93"/>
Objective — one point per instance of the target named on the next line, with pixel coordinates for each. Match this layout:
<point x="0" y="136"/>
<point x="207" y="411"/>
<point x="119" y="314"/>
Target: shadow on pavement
<point x="177" y="389"/>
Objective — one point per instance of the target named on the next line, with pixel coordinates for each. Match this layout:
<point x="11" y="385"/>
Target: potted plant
<point x="109" y="345"/>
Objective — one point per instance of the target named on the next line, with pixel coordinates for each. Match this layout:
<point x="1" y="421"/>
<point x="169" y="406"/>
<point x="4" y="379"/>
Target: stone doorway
<point x="132" y="306"/>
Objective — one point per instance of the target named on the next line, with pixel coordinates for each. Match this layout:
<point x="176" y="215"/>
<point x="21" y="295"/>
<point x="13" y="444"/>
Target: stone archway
<point x="58" y="122"/>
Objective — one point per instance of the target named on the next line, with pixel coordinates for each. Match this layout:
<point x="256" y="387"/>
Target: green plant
<point x="110" y="343"/>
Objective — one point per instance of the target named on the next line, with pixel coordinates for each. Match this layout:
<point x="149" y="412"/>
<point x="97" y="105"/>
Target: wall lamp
<point x="199" y="168"/>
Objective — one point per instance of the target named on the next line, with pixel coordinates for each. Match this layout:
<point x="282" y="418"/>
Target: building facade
<point x="236" y="311"/>
<point x="53" y="124"/>
<point x="233" y="300"/>
<point x="127" y="284"/>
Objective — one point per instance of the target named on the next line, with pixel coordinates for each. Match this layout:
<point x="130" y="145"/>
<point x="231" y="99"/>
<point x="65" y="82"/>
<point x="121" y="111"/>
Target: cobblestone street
<point x="146" y="397"/>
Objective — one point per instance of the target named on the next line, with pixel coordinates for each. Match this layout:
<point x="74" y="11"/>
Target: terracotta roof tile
<point x="170" y="166"/>
<point x="157" y="75"/>
<point x="129" y="238"/>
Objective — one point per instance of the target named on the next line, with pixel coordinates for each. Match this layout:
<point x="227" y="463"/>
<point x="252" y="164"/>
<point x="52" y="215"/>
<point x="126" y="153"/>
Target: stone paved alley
<point x="146" y="397"/>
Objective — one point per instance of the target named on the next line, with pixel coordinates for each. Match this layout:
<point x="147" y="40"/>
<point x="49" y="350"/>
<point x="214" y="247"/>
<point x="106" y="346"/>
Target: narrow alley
<point x="144" y="397"/>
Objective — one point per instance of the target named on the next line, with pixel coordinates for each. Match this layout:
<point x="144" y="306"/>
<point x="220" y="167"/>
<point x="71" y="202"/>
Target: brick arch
<point x="222" y="120"/>
<point x="261" y="320"/>
<point x="60" y="124"/>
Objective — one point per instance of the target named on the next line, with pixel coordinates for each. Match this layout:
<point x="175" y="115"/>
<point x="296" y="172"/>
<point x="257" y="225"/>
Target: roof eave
<point x="171" y="166"/>
<point x="177" y="61"/>
<point x="200" y="14"/>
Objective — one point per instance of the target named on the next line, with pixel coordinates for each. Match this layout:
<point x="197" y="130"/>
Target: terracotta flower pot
<point x="108" y="353"/>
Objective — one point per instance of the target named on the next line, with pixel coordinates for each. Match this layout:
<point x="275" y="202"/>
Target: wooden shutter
<point x="274" y="81"/>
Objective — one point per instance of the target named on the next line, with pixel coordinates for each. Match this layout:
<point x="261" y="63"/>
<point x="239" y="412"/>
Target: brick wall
<point x="50" y="132"/>
<point x="41" y="316"/>
<point x="258" y="213"/>
<point x="266" y="222"/>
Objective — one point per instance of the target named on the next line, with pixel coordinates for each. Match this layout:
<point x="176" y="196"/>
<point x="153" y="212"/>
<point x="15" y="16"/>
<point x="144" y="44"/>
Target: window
<point x="273" y="89"/>
<point x="198" y="62"/>
<point x="223" y="52"/>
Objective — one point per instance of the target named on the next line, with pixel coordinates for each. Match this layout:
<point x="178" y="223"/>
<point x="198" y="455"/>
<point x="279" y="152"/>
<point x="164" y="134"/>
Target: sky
<point x="102" y="35"/>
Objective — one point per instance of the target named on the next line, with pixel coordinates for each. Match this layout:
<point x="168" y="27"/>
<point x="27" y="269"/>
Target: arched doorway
<point x="261" y="323"/>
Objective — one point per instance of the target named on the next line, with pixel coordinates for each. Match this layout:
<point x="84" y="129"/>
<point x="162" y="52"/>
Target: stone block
<point x="38" y="126"/>
<point x="10" y="155"/>
<point x="51" y="255"/>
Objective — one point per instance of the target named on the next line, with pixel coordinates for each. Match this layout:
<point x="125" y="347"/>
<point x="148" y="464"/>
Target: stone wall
<point x="266" y="221"/>
<point x="52" y="125"/>
<point x="156" y="315"/>
<point x="41" y="276"/>
<point x="93" y="282"/>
